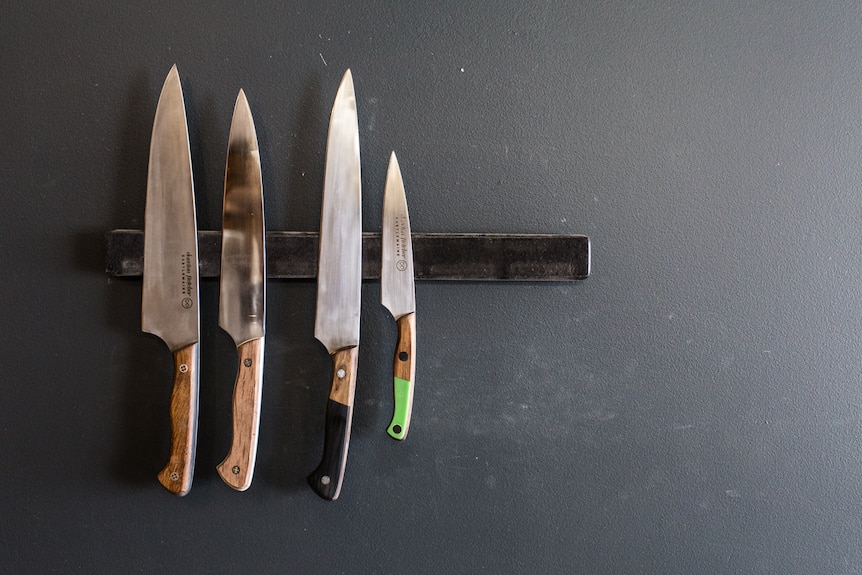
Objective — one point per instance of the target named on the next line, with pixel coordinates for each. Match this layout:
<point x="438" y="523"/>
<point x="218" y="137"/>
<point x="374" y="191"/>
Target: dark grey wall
<point x="693" y="407"/>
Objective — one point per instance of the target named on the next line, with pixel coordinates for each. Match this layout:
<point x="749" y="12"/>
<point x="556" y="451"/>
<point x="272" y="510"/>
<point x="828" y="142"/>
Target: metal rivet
<point x="325" y="480"/>
<point x="174" y="476"/>
<point x="184" y="368"/>
<point x="247" y="362"/>
<point x="235" y="469"/>
<point x="340" y="373"/>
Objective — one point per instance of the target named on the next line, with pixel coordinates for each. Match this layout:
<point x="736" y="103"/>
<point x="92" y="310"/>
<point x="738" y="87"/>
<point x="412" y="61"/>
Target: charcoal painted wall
<point x="692" y="407"/>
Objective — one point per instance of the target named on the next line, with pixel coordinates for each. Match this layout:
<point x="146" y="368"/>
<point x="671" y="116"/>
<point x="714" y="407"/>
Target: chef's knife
<point x="339" y="284"/>
<point x="169" y="306"/>
<point x="242" y="293"/>
<point x="398" y="295"/>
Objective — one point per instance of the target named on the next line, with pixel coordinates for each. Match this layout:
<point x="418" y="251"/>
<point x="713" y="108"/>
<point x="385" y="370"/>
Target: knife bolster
<point x="344" y="362"/>
<point x="404" y="365"/>
<point x="177" y="475"/>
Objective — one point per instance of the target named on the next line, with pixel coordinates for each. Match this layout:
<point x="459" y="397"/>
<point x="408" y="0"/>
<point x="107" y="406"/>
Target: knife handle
<point x="403" y="370"/>
<point x="237" y="468"/>
<point x="326" y="479"/>
<point x="176" y="476"/>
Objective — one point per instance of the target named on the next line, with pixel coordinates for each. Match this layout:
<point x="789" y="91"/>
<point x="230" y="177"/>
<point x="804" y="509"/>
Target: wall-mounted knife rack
<point x="466" y="257"/>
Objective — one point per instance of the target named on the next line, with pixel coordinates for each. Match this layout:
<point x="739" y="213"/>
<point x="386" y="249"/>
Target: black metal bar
<point x="473" y="257"/>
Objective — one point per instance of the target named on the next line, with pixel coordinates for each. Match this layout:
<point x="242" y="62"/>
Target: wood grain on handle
<point x="237" y="468"/>
<point x="327" y="478"/>
<point x="403" y="371"/>
<point x="177" y="475"/>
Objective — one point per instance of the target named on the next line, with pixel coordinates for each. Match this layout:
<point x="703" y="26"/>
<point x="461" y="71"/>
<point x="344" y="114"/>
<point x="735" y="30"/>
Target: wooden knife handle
<point x="326" y="479"/>
<point x="177" y="475"/>
<point x="403" y="370"/>
<point x="237" y="468"/>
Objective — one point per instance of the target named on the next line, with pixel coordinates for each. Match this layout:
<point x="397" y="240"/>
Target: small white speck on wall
<point x="462" y="69"/>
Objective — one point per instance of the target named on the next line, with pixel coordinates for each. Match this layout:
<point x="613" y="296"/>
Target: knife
<point x="398" y="295"/>
<point x="169" y="302"/>
<point x="339" y="284"/>
<point x="242" y="290"/>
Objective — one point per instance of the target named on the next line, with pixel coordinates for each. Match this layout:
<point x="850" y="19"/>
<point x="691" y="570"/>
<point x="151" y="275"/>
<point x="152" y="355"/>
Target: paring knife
<point x="398" y="295"/>
<point x="242" y="292"/>
<point x="339" y="284"/>
<point x="169" y="307"/>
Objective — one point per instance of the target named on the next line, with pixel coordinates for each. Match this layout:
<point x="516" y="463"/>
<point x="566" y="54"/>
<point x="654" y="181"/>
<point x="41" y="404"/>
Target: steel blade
<point x="339" y="272"/>
<point x="242" y="294"/>
<point x="397" y="292"/>
<point x="170" y="283"/>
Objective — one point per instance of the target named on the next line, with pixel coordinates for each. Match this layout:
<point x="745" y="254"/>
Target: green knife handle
<point x="403" y="370"/>
<point x="237" y="468"/>
<point x="326" y="479"/>
<point x="176" y="476"/>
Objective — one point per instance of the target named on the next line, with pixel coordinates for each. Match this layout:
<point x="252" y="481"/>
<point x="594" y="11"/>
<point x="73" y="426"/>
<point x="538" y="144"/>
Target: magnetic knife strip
<point x="468" y="257"/>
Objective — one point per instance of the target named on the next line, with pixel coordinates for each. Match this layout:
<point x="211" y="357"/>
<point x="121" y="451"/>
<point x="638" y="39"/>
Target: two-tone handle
<point x="403" y="370"/>
<point x="177" y="475"/>
<point x="326" y="479"/>
<point x="237" y="468"/>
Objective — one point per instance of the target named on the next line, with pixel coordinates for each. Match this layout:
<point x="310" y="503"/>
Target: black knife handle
<point x="327" y="478"/>
<point x="177" y="474"/>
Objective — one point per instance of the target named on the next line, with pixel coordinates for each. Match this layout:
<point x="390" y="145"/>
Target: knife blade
<point x="398" y="295"/>
<point x="242" y="290"/>
<point x="169" y="302"/>
<point x="339" y="284"/>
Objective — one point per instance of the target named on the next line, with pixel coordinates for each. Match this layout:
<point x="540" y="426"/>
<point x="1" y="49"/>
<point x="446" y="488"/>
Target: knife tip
<point x="172" y="81"/>
<point x="347" y="80"/>
<point x="241" y="113"/>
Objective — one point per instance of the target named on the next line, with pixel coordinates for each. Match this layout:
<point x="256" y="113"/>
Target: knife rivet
<point x="403" y="356"/>
<point x="235" y="469"/>
<point x="183" y="368"/>
<point x="247" y="362"/>
<point x="325" y="480"/>
<point x="174" y="476"/>
<point x="340" y="373"/>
